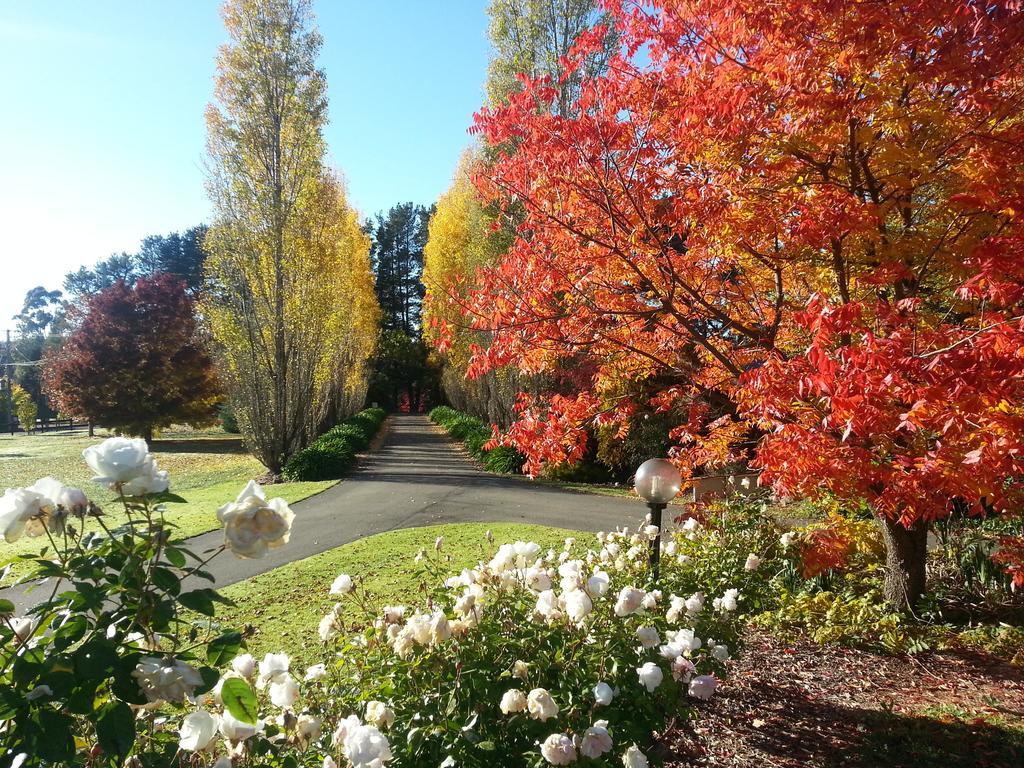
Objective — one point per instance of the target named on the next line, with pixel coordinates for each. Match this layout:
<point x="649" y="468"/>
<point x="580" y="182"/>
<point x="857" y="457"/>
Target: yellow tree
<point x="292" y="294"/>
<point x="462" y="238"/>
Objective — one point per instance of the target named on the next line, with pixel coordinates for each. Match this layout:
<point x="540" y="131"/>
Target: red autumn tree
<point x="135" y="362"/>
<point x="799" y="219"/>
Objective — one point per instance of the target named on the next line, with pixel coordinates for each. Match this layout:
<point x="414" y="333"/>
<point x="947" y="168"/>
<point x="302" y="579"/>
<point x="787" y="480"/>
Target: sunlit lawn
<point x="284" y="606"/>
<point x="206" y="469"/>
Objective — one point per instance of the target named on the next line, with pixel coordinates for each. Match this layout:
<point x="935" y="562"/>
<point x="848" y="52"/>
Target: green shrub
<point x="333" y="453"/>
<point x="588" y="472"/>
<point x="462" y="427"/>
<point x="504" y="460"/>
<point x="357" y="435"/>
<point x="228" y="420"/>
<point x="442" y="414"/>
<point x="320" y="462"/>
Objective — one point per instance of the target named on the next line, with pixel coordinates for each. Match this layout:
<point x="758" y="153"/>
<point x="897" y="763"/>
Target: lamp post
<point x="657" y="482"/>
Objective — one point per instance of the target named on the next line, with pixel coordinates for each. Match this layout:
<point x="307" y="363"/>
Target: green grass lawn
<point x="283" y="607"/>
<point x="206" y="469"/>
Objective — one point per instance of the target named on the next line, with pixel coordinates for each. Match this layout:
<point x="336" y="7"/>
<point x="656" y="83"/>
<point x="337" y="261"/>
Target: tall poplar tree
<point x="287" y="261"/>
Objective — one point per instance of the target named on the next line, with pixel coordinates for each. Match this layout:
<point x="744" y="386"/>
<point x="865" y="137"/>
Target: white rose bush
<point x="109" y="655"/>
<point x="529" y="658"/>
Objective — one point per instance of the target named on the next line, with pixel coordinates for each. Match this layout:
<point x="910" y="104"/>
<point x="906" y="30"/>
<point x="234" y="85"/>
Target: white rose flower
<point x="558" y="749"/>
<point x="629" y="601"/>
<point x="273" y="666"/>
<point x="366" y="747"/>
<point x="235" y="730"/>
<point x="603" y="694"/>
<point x="634" y="758"/>
<point x="284" y="691"/>
<point x="520" y="669"/>
<point x="648" y="636"/>
<point x="670" y="548"/>
<point x="537" y="579"/>
<point x="419" y="626"/>
<point x="166" y="679"/>
<point x="329" y="762"/>
<point x="787" y="539"/>
<point x="198" y="729"/>
<point x="440" y="629"/>
<point x="597" y="584"/>
<point x="727" y="602"/>
<point x="577" y="605"/>
<point x="676" y="608"/>
<point x="548" y="605"/>
<point x="512" y="701"/>
<point x="682" y="669"/>
<point x="650" y="676"/>
<point x="540" y="705"/>
<point x="753" y="562"/>
<point x="526" y="552"/>
<point x="720" y="652"/>
<point x="596" y="740"/>
<point x="379" y="714"/>
<point x="117" y="460"/>
<point x="252" y="525"/>
<point x="308" y="728"/>
<point x="651" y="599"/>
<point x="56" y="495"/>
<point x="342" y="585"/>
<point x="702" y="687"/>
<point x="244" y="665"/>
<point x="149" y="480"/>
<point x="680" y="643"/>
<point x="345" y="727"/>
<point x="328" y="628"/>
<point x="23" y="628"/>
<point x="21" y="509"/>
<point x="571" y="573"/>
<point x="465" y="604"/>
<point x="404" y="643"/>
<point x="315" y="672"/>
<point x="695" y="603"/>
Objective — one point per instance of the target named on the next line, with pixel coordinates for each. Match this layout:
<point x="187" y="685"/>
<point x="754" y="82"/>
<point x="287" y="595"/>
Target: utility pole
<point x="9" y="382"/>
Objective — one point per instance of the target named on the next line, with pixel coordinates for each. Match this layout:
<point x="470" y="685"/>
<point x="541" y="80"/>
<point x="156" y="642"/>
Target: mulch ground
<point x="798" y="704"/>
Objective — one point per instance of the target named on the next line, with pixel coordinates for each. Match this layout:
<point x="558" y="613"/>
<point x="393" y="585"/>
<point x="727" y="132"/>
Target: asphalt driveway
<point x="418" y="477"/>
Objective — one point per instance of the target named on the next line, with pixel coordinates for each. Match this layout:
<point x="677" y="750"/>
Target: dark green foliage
<point x="356" y="434"/>
<point x="404" y="373"/>
<point x="463" y="427"/>
<point x="647" y="439"/>
<point x="319" y="462"/>
<point x="334" y="453"/>
<point x="442" y="414"/>
<point x="475" y="434"/>
<point x="590" y="472"/>
<point x="397" y="255"/>
<point x="228" y="420"/>
<point x="505" y="460"/>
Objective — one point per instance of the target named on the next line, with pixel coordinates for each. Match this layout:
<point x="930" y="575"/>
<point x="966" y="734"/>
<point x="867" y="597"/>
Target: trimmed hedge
<point x="334" y="453"/>
<point x="474" y="434"/>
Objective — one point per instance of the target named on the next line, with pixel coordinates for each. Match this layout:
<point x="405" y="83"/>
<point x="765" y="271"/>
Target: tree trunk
<point x="906" y="552"/>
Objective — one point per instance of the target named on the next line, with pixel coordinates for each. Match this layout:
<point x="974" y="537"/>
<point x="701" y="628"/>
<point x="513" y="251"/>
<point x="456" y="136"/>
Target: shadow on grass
<point x="200" y="445"/>
<point x="947" y="740"/>
<point x="807" y="732"/>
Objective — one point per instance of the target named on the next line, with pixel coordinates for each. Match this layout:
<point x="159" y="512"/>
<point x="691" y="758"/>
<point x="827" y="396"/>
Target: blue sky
<point x="102" y="118"/>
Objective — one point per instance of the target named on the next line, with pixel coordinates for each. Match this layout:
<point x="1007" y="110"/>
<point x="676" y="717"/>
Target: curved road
<point x="418" y="477"/>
